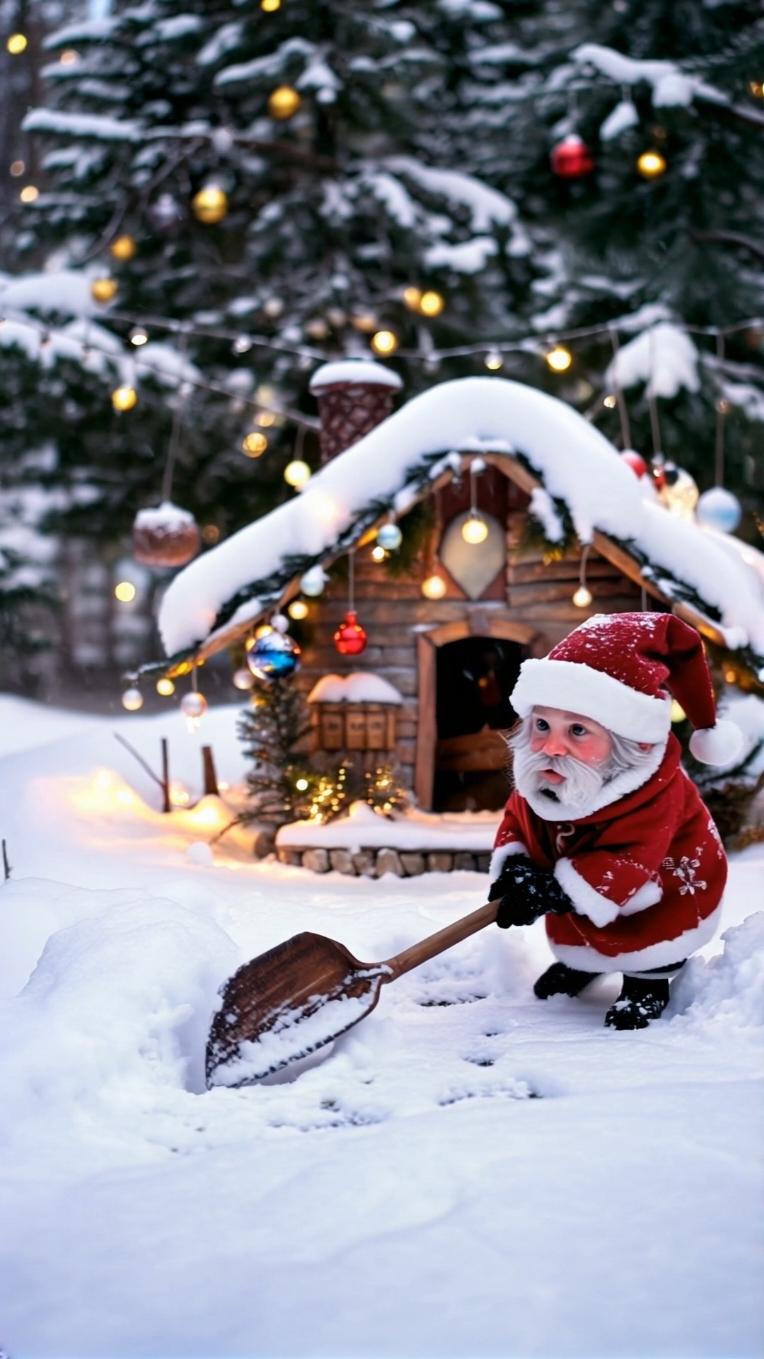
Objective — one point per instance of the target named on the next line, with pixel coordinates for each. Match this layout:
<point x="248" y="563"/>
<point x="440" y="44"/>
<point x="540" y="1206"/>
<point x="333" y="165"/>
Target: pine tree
<point x="677" y="248"/>
<point x="272" y="731"/>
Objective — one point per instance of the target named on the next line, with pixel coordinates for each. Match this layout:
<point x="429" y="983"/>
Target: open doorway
<point x="474" y="677"/>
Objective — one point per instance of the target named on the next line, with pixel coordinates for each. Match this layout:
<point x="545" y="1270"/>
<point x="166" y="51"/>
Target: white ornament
<point x="313" y="582"/>
<point x="719" y="509"/>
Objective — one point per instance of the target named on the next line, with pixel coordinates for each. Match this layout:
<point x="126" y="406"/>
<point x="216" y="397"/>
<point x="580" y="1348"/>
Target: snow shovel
<point x="304" y="993"/>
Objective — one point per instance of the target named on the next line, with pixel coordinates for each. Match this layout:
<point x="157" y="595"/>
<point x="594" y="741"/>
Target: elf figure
<point x="605" y="834"/>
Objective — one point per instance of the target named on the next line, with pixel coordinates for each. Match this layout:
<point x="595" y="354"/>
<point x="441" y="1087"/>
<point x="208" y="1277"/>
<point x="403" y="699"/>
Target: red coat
<point x="645" y="873"/>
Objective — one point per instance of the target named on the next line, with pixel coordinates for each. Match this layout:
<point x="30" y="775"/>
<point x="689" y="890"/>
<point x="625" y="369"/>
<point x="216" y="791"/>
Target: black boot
<point x="559" y="980"/>
<point x="641" y="1000"/>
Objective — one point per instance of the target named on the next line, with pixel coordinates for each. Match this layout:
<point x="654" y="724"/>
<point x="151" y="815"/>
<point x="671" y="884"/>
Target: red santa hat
<point x="622" y="670"/>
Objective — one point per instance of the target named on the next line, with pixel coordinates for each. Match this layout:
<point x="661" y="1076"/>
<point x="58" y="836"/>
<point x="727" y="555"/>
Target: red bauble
<point x="571" y="158"/>
<point x="635" y="462"/>
<point x="350" y="638"/>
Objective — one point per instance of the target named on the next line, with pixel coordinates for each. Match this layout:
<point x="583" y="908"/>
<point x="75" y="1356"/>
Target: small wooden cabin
<point x="449" y="633"/>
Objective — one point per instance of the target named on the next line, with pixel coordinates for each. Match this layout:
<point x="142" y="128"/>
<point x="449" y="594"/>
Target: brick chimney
<point x="354" y="396"/>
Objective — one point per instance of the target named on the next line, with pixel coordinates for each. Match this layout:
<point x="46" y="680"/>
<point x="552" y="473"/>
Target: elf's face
<point x="559" y="735"/>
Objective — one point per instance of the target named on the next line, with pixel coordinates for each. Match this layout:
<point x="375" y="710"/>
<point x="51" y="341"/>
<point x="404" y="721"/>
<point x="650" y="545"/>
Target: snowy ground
<point x="468" y="1173"/>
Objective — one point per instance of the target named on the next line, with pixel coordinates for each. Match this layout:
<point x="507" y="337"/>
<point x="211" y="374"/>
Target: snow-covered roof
<point x="539" y="441"/>
<point x="361" y="686"/>
<point x="354" y="370"/>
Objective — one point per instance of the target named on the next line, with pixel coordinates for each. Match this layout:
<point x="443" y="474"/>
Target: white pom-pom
<point x="720" y="744"/>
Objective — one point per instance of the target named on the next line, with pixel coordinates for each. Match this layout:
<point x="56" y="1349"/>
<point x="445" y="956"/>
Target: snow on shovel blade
<point x="285" y="1004"/>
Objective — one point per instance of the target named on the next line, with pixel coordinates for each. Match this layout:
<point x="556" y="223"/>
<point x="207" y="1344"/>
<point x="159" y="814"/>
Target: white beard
<point x="560" y="801"/>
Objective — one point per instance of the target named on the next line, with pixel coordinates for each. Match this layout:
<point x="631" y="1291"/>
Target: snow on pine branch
<point x="663" y="357"/>
<point x="487" y="206"/>
<point x="671" y="87"/>
<point x="95" y="125"/>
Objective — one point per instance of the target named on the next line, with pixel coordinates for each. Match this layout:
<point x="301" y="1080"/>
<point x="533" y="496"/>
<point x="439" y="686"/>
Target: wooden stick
<point x="138" y="757"/>
<point x="210" y="775"/>
<point x="166" y="804"/>
<point x="443" y="939"/>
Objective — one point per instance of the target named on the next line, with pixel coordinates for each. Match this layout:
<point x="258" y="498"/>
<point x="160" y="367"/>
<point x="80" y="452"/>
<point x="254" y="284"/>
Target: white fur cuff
<point x="587" y="902"/>
<point x="501" y="854"/>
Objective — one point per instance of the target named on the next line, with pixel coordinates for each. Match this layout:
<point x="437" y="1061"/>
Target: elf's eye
<point x="541" y="724"/>
<point x="578" y="730"/>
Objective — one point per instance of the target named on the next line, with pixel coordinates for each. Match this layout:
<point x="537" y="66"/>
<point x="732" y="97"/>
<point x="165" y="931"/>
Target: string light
<point x="132" y="699"/>
<point x="558" y="359"/>
<point x="651" y="164"/>
<point x="431" y="303"/>
<point x="582" y="597"/>
<point x="104" y="289"/>
<point x="29" y="194"/>
<point x="68" y="57"/>
<point x="138" y="336"/>
<point x="384" y="342"/>
<point x="242" y="678"/>
<point x="125" y="591"/>
<point x="210" y="204"/>
<point x="124" y="398"/>
<point x="493" y="361"/>
<point x="433" y="587"/>
<point x="412" y="297"/>
<point x="165" y="687"/>
<point x="297" y="474"/>
<point x="474" y="528"/>
<point x="123" y="247"/>
<point x="17" y="43"/>
<point x="378" y="553"/>
<point x="297" y="610"/>
<point x="16" y="168"/>
<point x="254" y="444"/>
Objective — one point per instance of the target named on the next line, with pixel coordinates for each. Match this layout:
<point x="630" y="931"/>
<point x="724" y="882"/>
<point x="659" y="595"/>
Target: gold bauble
<point x="651" y="164"/>
<point x="210" y="204"/>
<point x="431" y="303"/>
<point x="434" y="587"/>
<point x="104" y="289"/>
<point x="123" y="398"/>
<point x="123" y="247"/>
<point x="283" y="102"/>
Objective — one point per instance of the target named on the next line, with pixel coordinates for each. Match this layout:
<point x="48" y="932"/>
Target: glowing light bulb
<point x="270" y="6"/>
<point x="434" y="587"/>
<point x="431" y="303"/>
<point x="125" y="591"/>
<point x="165" y="686"/>
<point x="582" y="598"/>
<point x="474" y="529"/>
<point x="678" y="713"/>
<point x="104" y="289"/>
<point x="69" y="56"/>
<point x="132" y="699"/>
<point x="651" y="164"/>
<point x="384" y="342"/>
<point x="139" y="336"/>
<point x="493" y="361"/>
<point x="559" y="359"/>
<point x="29" y="194"/>
<point x="17" y="43"/>
<point x="301" y="785"/>
<point x="378" y="553"/>
<point x="297" y="474"/>
<point x="412" y="297"/>
<point x="254" y="444"/>
<point x="264" y="630"/>
<point x="124" y="398"/>
<point x="242" y="678"/>
<point x="298" y="609"/>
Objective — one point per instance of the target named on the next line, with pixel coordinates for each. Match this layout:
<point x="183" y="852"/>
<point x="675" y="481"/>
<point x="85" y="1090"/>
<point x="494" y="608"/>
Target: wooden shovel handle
<point x="438" y="943"/>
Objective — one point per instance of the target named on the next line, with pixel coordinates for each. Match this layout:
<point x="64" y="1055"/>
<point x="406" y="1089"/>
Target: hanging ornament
<point x="582" y="597"/>
<point x="193" y="707"/>
<point x="139" y="336"/>
<point x="165" y="536"/>
<point x="242" y="678"/>
<point x="474" y="529"/>
<point x="283" y="102"/>
<point x="719" y="509"/>
<point x="104" y="289"/>
<point x="493" y="361"/>
<point x="313" y="582"/>
<point x="679" y="492"/>
<point x="165" y="212"/>
<point x="124" y="397"/>
<point x="634" y="461"/>
<point x="571" y="158"/>
<point x="210" y="204"/>
<point x="651" y="164"/>
<point x="132" y="699"/>
<point x="350" y="638"/>
<point x="273" y="656"/>
<point x="390" y="537"/>
<point x="297" y="610"/>
<point x="123" y="247"/>
<point x="254" y="443"/>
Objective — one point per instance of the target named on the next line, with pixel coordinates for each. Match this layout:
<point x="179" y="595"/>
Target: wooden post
<point x="166" y="804"/>
<point x="210" y="776"/>
<point x="6" y="865"/>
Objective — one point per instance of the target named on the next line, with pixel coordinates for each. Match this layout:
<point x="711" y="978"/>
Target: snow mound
<point x="728" y="990"/>
<point x="118" y="1003"/>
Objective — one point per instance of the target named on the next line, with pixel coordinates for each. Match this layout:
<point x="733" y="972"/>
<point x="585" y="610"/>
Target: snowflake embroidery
<point x="713" y="831"/>
<point x="685" y="869"/>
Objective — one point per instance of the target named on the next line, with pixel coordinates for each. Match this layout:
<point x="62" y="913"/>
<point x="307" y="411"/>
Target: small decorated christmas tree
<point x="273" y="730"/>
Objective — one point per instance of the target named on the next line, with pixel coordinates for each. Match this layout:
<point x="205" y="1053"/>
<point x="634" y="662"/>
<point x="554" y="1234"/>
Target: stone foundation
<point x="374" y="863"/>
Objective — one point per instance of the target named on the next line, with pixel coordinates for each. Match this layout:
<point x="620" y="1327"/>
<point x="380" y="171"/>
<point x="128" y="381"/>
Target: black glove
<point x="525" y="892"/>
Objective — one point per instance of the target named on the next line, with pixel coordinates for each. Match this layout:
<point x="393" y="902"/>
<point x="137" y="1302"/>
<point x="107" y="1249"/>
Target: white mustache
<point x="582" y="781"/>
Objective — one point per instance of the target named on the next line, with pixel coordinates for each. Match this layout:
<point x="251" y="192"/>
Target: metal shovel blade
<point x="269" y="1011"/>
